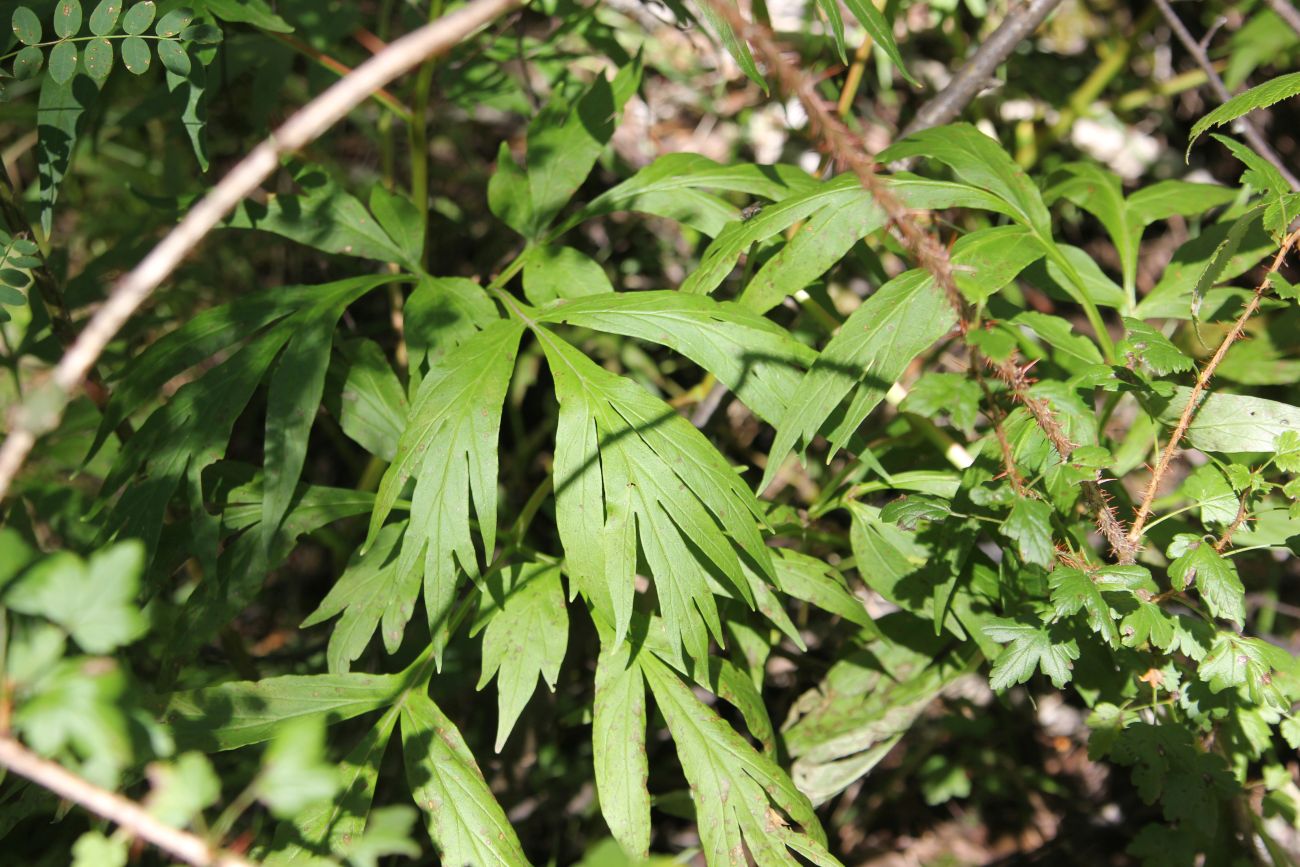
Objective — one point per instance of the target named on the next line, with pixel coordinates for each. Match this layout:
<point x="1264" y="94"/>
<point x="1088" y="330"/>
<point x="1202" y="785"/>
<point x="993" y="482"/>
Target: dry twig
<point x="42" y="412"/>
<point x="124" y="813"/>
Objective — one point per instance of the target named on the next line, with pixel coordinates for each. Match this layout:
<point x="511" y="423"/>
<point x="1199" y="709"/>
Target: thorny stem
<point x="1242" y="510"/>
<point x="838" y="141"/>
<point x="994" y="413"/>
<point x="1194" y="399"/>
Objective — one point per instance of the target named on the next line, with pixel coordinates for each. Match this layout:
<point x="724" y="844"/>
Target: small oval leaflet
<point x="99" y="58"/>
<point x="104" y="19"/>
<point x="27" y="27"/>
<point x="67" y="20"/>
<point x="135" y="55"/>
<point x="174" y="57"/>
<point x="174" y="22"/>
<point x="63" y="62"/>
<point x="28" y="62"/>
<point x="138" y="18"/>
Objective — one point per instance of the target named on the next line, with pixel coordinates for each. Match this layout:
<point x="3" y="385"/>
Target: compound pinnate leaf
<point x="136" y="56"/>
<point x="465" y="821"/>
<point x="618" y="731"/>
<point x="526" y="637"/>
<point x="104" y="19"/>
<point x="67" y="18"/>
<point x="138" y="18"/>
<point x="449" y="447"/>
<point x="26" y="26"/>
<point x="98" y="58"/>
<point x="627" y="467"/>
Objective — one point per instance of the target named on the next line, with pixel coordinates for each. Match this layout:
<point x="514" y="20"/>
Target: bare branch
<point x="122" y="812"/>
<point x="975" y="73"/>
<point x="1249" y="131"/>
<point x="1194" y="399"/>
<point x="34" y="418"/>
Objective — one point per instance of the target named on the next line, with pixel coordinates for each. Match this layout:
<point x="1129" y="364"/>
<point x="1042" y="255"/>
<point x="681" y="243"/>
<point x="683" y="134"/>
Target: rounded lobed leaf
<point x="63" y="62"/>
<point x="104" y="19"/>
<point x="174" y="22"/>
<point x="67" y="18"/>
<point x="28" y="62"/>
<point x="174" y="57"/>
<point x="27" y="27"/>
<point x="135" y="55"/>
<point x="99" y="58"/>
<point x="139" y="17"/>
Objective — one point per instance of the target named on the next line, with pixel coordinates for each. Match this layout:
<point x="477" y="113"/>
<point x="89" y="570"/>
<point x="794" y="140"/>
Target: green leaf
<point x="987" y="260"/>
<point x="335" y="826"/>
<point x="323" y="216"/>
<point x="28" y="62"/>
<point x="1146" y="346"/>
<point x="881" y="32"/>
<point x="449" y="447"/>
<point x="188" y="91"/>
<point x="1101" y="194"/>
<point x="1165" y="199"/>
<point x="67" y="18"/>
<point x="628" y="467"/>
<point x="736" y="47"/>
<point x="26" y="26"/>
<point x="618" y="748"/>
<point x="1287" y="452"/>
<point x="820" y="584"/>
<point x="1207" y="486"/>
<point x="98" y="58"/>
<point x="175" y="58"/>
<point x="980" y="161"/>
<point x="1148" y="622"/>
<point x="525" y="637"/>
<point x="945" y="394"/>
<point x="136" y="56"/>
<point x="138" y="18"/>
<point x="1172" y="297"/>
<point x="1237" y="661"/>
<point x="401" y="221"/>
<point x="1028" y="648"/>
<point x="1029" y="525"/>
<point x="465" y="821"/>
<point x="241" y="713"/>
<point x="1260" y="96"/>
<point x="1074" y="590"/>
<point x="293" y="395"/>
<point x="182" y="789"/>
<point x="93" y="849"/>
<point x="831" y="9"/>
<point x="174" y="22"/>
<point x="94" y="601"/>
<point x="370" y="589"/>
<point x="254" y="12"/>
<point x="870" y="352"/>
<point x="1216" y="581"/>
<point x="750" y="354"/>
<point x="1228" y="422"/>
<point x="743" y="800"/>
<point x="1074" y="351"/>
<point x="552" y="272"/>
<point x="63" y="62"/>
<point x="372" y="406"/>
<point x="387" y="832"/>
<point x="566" y="138"/>
<point x="104" y="19"/>
<point x="294" y="772"/>
<point x="442" y="313"/>
<point x="507" y="193"/>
